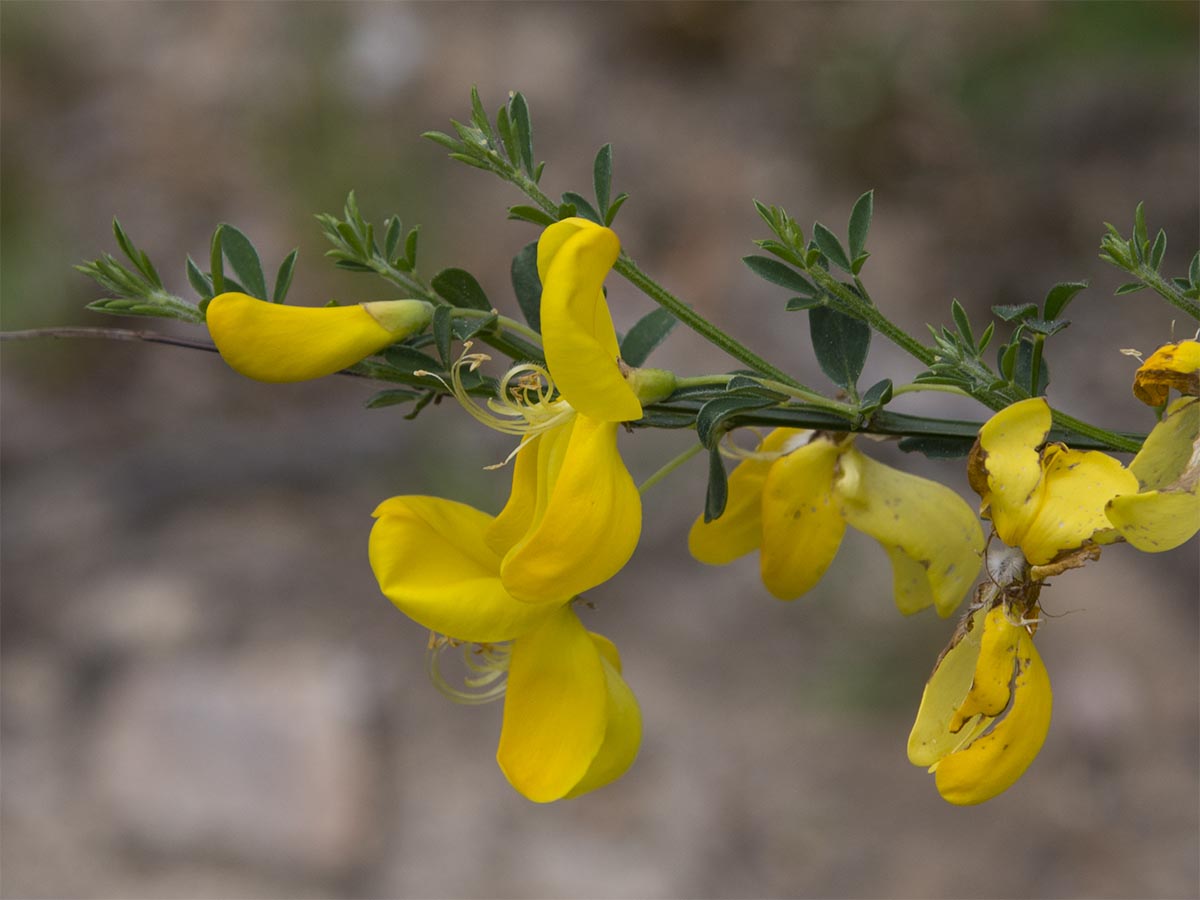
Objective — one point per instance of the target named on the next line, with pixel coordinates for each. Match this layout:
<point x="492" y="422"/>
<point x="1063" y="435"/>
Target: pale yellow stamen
<point x="486" y="667"/>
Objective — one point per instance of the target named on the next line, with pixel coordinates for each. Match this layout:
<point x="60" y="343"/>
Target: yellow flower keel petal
<point x="277" y="343"/>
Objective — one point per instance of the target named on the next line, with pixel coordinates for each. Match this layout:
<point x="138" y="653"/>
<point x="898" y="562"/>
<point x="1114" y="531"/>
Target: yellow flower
<point x="574" y="515"/>
<point x="1046" y="500"/>
<point x="273" y="342"/>
<point x="986" y="709"/>
<point x="1166" y="510"/>
<point x="794" y="497"/>
<point x="571" y="724"/>
<point x="1170" y="366"/>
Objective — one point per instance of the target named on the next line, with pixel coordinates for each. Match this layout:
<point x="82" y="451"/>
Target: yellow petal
<point x="989" y="693"/>
<point x="992" y="763"/>
<point x="932" y="536"/>
<point x="577" y="329"/>
<point x="555" y="708"/>
<point x="739" y="529"/>
<point x="623" y="726"/>
<point x="802" y="523"/>
<point x="273" y="342"/>
<point x="588" y="520"/>
<point x="431" y="560"/>
<point x="1171" y="447"/>
<point x="1170" y="366"/>
<point x="1077" y="485"/>
<point x="931" y="737"/>
<point x="1009" y="442"/>
<point x="514" y="520"/>
<point x="1155" y="521"/>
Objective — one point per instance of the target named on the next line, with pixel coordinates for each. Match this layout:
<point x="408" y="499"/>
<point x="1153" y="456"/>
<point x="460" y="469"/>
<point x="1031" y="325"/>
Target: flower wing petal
<point x="1155" y="521"/>
<point x="589" y="517"/>
<point x="1171" y="446"/>
<point x="931" y="737"/>
<point x="518" y="514"/>
<point x="739" y="528"/>
<point x="917" y="521"/>
<point x="1009" y="442"/>
<point x="1078" y="484"/>
<point x="432" y="562"/>
<point x="802" y="523"/>
<point x="277" y="343"/>
<point x="555" y="708"/>
<point x="992" y="763"/>
<point x="577" y="329"/>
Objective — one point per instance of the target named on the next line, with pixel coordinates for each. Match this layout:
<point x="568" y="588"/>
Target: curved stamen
<point x="486" y="665"/>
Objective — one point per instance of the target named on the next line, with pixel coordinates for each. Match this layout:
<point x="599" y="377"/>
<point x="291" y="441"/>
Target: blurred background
<point x="205" y="695"/>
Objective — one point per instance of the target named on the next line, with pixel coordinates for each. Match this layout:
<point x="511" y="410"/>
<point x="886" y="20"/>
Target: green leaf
<point x="465" y="329"/>
<point x="507" y="136"/>
<point x="748" y="385"/>
<point x="459" y="288"/>
<point x="986" y="338"/>
<point x="646" y="334"/>
<point x="391" y="237"/>
<point x="799" y="303"/>
<point x="391" y="397"/>
<point x="602" y="180"/>
<point x="527" y="286"/>
<point x="518" y="111"/>
<point x="441" y="333"/>
<point x="1042" y="326"/>
<point x="1131" y="287"/>
<point x="858" y="262"/>
<point x="1059" y="296"/>
<point x="1140" y="236"/>
<point x="410" y="247"/>
<point x="778" y="273"/>
<point x="877" y="395"/>
<point x="583" y="207"/>
<point x="860" y="222"/>
<point x="479" y="115"/>
<point x="937" y="447"/>
<point x="283" y="279"/>
<point x="406" y="359"/>
<point x="962" y="322"/>
<point x="787" y="254"/>
<point x="1016" y="312"/>
<point x="1194" y="269"/>
<point x="1023" y="370"/>
<point x="717" y="494"/>
<point x="614" y="208"/>
<point x="244" y="259"/>
<point x="830" y="247"/>
<point x="1006" y="359"/>
<point x="198" y="280"/>
<point x="530" y="214"/>
<point x="216" y="264"/>
<point x="1160" y="247"/>
<point x="840" y="343"/>
<point x="714" y="414"/>
<point x="426" y="398"/>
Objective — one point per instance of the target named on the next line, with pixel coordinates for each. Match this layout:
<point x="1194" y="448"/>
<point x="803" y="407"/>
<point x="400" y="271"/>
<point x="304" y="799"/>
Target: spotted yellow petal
<point x="577" y="329"/>
<point x="432" y="562"/>
<point x="1077" y="485"/>
<point x="1009" y="442"/>
<point x="947" y="688"/>
<point x="555" y="708"/>
<point x="992" y="763"/>
<point x="588" y="517"/>
<point x="930" y="533"/>
<point x="802" y="522"/>
<point x="1171" y="448"/>
<point x="1170" y="366"/>
<point x="273" y="342"/>
<point x="623" y="726"/>
<point x="739" y="529"/>
<point x="1155" y="521"/>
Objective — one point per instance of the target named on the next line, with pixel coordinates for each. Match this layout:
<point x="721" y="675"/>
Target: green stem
<point x="799" y="393"/>
<point x="1166" y="290"/>
<point x="510" y="325"/>
<point x="1108" y="439"/>
<point x="670" y="467"/>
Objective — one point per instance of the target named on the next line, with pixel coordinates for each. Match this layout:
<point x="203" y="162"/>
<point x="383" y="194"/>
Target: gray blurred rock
<point x="260" y="757"/>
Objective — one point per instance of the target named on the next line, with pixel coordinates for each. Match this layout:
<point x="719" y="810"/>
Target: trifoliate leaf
<point x="459" y="288"/>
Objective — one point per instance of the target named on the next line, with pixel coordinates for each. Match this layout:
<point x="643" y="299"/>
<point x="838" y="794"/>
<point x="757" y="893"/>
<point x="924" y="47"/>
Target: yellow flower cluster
<point x="503" y="588"/>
